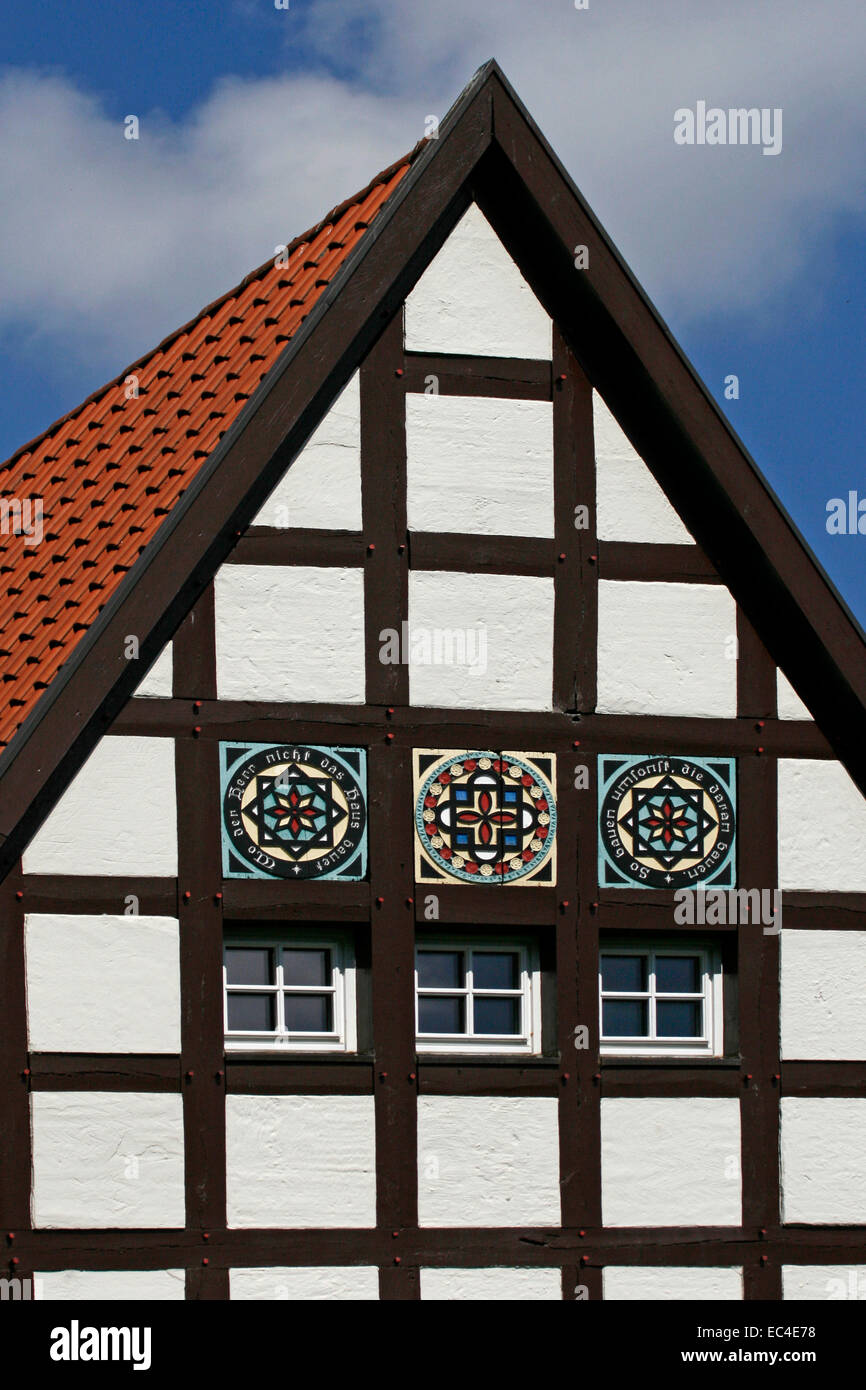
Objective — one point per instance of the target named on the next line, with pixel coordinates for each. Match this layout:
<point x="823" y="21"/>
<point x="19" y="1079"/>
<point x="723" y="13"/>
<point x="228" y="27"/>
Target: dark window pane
<point x="302" y="966"/>
<point x="497" y="1016"/>
<point x="440" y="969"/>
<point x="495" y="970"/>
<point x="309" y="1013"/>
<point x="678" y="974"/>
<point x="248" y="965"/>
<point x="623" y="973"/>
<point x="251" y="1013"/>
<point x="678" y="1020"/>
<point x="624" y="1018"/>
<point x="440" y="1015"/>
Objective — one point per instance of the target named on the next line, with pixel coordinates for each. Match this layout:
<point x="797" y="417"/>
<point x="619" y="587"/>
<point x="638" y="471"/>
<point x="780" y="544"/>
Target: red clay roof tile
<point x="100" y="513"/>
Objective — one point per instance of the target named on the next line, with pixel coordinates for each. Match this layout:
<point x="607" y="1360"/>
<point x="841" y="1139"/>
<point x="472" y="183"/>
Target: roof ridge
<point x="311" y="232"/>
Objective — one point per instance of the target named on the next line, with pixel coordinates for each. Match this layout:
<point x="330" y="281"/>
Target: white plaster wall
<point x="823" y="1152"/>
<point x="822" y="828"/>
<point x="157" y="682"/>
<point x="319" y="1284"/>
<point x="488" y="1161"/>
<point x="322" y="488"/>
<point x="300" y="1161"/>
<point x="636" y="1283"/>
<point x="112" y="1159"/>
<point x="111" y="1285"/>
<point x="823" y="988"/>
<point x="816" y="1283"/>
<point x="492" y="1285"/>
<point x="630" y="504"/>
<point x="662" y="649"/>
<point x="477" y="463"/>
<point x="290" y="632"/>
<point x="473" y="299"/>
<point x="670" y="1161"/>
<point x="117" y="816"/>
<point x="102" y="984"/>
<point x="788" y="703"/>
<point x="508" y="625"/>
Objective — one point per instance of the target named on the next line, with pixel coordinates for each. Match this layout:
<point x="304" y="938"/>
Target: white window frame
<point x="528" y="1041"/>
<point x="711" y="994"/>
<point x="343" y="1038"/>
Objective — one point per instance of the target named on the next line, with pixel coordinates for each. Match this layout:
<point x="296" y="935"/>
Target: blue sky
<point x="255" y="120"/>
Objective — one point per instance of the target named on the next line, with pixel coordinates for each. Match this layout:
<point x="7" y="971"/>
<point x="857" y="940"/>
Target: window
<point x="477" y="996"/>
<point x="283" y="991"/>
<point x="661" y="999"/>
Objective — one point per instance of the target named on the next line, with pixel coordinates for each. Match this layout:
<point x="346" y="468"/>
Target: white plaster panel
<point x="111" y="1285"/>
<point x="102" y="984"/>
<point x="822" y="828"/>
<point x="112" y="1159"/>
<point x="157" y="682"/>
<point x="788" y="703"/>
<point x="816" y="1283"/>
<point x="290" y="632"/>
<point x="473" y="299"/>
<point x="663" y="649"/>
<point x="488" y="1161"/>
<point x="494" y="637"/>
<point x="117" y="816"/>
<point x="823" y="1151"/>
<point x="312" y="1284"/>
<point x="491" y="1285"/>
<point x="675" y="1283"/>
<point x="823" y="986"/>
<point x="322" y="487"/>
<point x="300" y="1161"/>
<point x="630" y="504"/>
<point x="476" y="463"/>
<point x="670" y="1161"/>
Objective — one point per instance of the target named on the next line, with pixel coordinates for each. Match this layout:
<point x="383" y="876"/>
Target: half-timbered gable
<point x="433" y="833"/>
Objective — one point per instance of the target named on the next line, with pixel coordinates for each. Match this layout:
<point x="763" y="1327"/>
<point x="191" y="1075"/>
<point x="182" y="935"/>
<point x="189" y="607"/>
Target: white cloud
<point x="109" y="243"/>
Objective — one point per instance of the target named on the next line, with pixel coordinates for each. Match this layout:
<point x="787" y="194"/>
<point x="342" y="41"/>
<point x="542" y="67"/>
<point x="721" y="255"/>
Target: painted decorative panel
<point x="293" y="811"/>
<point x="666" y="822"/>
<point x="485" y="817"/>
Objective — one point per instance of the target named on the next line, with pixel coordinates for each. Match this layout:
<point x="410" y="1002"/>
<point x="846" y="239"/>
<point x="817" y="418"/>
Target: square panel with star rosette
<point x="293" y="811"/>
<point x="484" y="816"/>
<point x="667" y="822"/>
